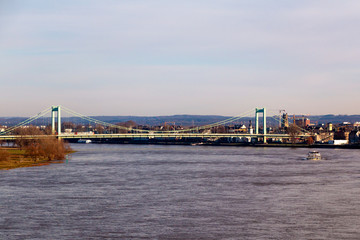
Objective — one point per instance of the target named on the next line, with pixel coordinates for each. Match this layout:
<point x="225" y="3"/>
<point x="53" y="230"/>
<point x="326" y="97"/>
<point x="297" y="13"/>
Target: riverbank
<point x="221" y="143"/>
<point x="289" y="145"/>
<point x="18" y="159"/>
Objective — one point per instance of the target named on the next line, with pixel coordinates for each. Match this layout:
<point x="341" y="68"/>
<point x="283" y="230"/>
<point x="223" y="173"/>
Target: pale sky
<point x="162" y="57"/>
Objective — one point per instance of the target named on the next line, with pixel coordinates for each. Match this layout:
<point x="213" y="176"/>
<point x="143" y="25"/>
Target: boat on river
<point x="196" y="144"/>
<point x="84" y="141"/>
<point x="314" y="155"/>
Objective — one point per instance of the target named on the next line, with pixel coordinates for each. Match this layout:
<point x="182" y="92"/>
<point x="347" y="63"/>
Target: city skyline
<point x="152" y="58"/>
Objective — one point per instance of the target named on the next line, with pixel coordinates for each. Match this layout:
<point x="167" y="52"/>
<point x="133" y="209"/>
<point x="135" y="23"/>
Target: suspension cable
<point x="223" y="122"/>
<point x="27" y="121"/>
<point x="90" y="119"/>
<point x="300" y="128"/>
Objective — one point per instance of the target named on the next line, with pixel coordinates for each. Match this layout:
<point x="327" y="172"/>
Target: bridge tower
<point x="53" y="110"/>
<point x="263" y="111"/>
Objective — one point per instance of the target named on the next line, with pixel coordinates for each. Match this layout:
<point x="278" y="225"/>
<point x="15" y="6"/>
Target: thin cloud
<point x="226" y="53"/>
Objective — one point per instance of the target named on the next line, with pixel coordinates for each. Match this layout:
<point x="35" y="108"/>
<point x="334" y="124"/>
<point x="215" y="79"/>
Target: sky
<point x="161" y="57"/>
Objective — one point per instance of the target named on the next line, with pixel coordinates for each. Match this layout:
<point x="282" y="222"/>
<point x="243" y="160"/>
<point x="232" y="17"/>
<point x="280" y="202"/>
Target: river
<point x="184" y="192"/>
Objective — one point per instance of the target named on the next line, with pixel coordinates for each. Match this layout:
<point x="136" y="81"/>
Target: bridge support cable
<point x="300" y="128"/>
<point x="27" y="121"/>
<point x="223" y="122"/>
<point x="100" y="122"/>
<point x="54" y="109"/>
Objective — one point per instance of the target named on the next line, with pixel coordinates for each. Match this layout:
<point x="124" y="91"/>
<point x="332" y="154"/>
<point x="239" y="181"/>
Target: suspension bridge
<point x="133" y="133"/>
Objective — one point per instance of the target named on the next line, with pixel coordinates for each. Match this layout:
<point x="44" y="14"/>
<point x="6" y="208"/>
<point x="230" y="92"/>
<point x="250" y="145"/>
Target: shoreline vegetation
<point x="30" y="153"/>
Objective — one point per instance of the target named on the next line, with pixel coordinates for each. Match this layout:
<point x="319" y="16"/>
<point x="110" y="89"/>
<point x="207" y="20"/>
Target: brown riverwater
<point x="184" y="192"/>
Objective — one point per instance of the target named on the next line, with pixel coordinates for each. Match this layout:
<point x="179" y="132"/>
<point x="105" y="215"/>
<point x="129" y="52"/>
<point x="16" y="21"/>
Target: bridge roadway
<point x="150" y="136"/>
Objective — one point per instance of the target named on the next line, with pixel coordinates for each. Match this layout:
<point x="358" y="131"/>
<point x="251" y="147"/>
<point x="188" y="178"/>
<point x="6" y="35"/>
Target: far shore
<point x="234" y="144"/>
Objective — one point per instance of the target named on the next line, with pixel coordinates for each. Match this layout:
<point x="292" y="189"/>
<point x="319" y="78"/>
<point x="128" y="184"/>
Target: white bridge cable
<point x="277" y="118"/>
<point x="185" y="130"/>
<point x="27" y="121"/>
<point x="99" y="121"/>
<point x="223" y="122"/>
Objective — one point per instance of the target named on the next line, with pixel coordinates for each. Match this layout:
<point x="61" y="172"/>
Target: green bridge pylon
<point x="263" y="111"/>
<point x="58" y="110"/>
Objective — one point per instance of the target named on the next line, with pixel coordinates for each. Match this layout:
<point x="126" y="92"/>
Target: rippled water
<point x="184" y="192"/>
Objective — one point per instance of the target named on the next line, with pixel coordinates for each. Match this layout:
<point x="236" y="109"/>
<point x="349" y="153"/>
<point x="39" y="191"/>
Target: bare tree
<point x="23" y="140"/>
<point x="293" y="130"/>
<point x="49" y="149"/>
<point x="99" y="128"/>
<point x="219" y="129"/>
<point x="310" y="140"/>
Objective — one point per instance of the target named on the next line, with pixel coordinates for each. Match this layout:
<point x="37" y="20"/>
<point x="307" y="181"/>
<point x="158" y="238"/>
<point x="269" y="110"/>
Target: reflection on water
<point x="184" y="192"/>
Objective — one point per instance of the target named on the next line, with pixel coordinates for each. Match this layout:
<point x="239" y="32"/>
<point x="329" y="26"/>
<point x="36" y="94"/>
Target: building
<point x="354" y="136"/>
<point x="341" y="135"/>
<point x="339" y="142"/>
<point x="285" y="121"/>
<point x="302" y="122"/>
<point x="330" y="127"/>
<point x="356" y="125"/>
<point x="324" y="137"/>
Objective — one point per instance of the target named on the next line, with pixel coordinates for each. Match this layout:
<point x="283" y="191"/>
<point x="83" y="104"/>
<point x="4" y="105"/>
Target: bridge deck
<point x="150" y="136"/>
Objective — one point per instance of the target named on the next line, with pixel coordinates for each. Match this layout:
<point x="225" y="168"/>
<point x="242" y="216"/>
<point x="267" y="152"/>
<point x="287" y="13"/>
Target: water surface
<point x="184" y="192"/>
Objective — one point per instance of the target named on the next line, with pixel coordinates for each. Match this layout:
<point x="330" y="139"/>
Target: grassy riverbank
<point x="18" y="158"/>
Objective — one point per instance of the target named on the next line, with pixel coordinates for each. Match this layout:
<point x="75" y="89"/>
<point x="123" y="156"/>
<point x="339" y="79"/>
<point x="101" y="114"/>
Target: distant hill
<point x="335" y="118"/>
<point x="184" y="120"/>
